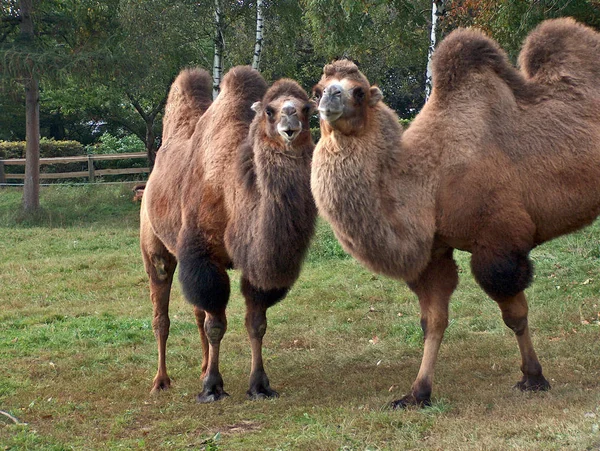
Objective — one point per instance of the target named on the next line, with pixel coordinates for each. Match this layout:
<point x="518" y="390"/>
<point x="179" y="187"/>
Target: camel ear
<point x="375" y="95"/>
<point x="310" y="107"/>
<point x="257" y="107"/>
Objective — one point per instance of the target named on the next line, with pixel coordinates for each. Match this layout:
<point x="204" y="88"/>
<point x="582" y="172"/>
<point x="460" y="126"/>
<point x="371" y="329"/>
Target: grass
<point x="78" y="355"/>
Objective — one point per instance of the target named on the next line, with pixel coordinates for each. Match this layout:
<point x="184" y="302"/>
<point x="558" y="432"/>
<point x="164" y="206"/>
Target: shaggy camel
<point x="228" y="191"/>
<point x="497" y="162"/>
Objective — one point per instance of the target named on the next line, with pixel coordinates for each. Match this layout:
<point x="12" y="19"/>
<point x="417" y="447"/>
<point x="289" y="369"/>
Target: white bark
<point x="437" y="10"/>
<point x="259" y="34"/>
<point x="219" y="45"/>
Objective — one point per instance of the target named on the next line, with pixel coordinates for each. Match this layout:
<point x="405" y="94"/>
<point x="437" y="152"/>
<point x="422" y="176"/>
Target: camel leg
<point x="200" y="317"/>
<point x="434" y="287"/>
<point x="160" y="266"/>
<point x="514" y="314"/>
<point x="504" y="277"/>
<point x="205" y="284"/>
<point x="257" y="303"/>
<point x="215" y="325"/>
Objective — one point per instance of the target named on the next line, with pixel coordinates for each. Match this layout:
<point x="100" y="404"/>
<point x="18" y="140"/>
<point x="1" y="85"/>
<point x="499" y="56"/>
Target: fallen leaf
<point x="374" y="340"/>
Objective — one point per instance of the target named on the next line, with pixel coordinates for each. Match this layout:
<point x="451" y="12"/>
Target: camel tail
<point x="189" y="97"/>
<point x="467" y="51"/>
<point x="562" y="50"/>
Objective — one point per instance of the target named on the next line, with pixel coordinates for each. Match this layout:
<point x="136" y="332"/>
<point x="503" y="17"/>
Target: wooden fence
<point x="90" y="174"/>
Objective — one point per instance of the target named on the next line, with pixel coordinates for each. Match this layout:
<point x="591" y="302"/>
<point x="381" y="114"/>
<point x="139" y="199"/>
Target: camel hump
<point x="243" y="82"/>
<point x="189" y="97"/>
<point x="466" y="51"/>
<point x="561" y="49"/>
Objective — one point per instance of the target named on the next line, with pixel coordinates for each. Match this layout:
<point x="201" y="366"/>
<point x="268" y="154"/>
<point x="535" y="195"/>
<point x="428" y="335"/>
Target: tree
<point x="31" y="185"/>
<point x="437" y="10"/>
<point x="259" y="34"/>
<point x="219" y="48"/>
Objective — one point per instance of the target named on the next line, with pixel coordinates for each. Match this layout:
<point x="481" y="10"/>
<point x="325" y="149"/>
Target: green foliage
<point x="112" y="144"/>
<point x="49" y="148"/>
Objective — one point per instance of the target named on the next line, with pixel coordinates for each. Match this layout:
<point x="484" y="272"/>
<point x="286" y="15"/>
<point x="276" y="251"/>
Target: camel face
<point x="285" y="118"/>
<point x="344" y="96"/>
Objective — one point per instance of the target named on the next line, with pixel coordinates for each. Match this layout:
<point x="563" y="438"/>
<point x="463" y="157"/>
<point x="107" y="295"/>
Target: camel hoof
<point x="206" y="397"/>
<point x="533" y="383"/>
<point x="161" y="385"/>
<point x="257" y="393"/>
<point x="410" y="401"/>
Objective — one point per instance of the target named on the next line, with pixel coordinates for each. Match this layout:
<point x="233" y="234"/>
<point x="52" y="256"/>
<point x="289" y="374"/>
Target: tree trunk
<point x="31" y="184"/>
<point x="259" y="34"/>
<point x="219" y="45"/>
<point x="150" y="142"/>
<point x="437" y="10"/>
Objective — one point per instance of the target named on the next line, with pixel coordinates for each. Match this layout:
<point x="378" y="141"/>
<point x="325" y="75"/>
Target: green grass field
<point x="77" y="352"/>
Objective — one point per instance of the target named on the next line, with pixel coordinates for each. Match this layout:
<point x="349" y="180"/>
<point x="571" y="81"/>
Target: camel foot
<point x="160" y="384"/>
<point x="260" y="387"/>
<point x="212" y="389"/>
<point x="255" y="393"/>
<point x="207" y="396"/>
<point x="533" y="383"/>
<point x="411" y="400"/>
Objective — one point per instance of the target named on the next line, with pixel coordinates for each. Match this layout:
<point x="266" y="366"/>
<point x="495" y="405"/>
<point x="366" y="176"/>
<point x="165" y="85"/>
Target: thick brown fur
<point x="199" y="210"/>
<point x="497" y="162"/>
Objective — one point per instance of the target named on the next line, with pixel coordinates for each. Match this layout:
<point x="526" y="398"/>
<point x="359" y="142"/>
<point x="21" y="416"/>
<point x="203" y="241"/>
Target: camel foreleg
<point x="434" y="287"/>
<point x="257" y="303"/>
<point x="514" y="314"/>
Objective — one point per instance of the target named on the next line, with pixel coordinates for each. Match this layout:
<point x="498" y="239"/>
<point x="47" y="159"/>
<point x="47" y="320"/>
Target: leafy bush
<point x="49" y="148"/>
<point x="111" y="144"/>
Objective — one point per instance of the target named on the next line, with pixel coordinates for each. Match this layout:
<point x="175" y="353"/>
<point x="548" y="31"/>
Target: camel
<point x="498" y="162"/>
<point x="230" y="189"/>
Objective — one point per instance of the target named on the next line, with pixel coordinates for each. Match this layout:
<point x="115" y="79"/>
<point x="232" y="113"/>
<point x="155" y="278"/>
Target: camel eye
<point x="269" y="112"/>
<point x="317" y="93"/>
<point x="359" y="94"/>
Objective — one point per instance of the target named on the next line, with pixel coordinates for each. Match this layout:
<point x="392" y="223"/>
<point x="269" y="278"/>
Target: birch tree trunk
<point x="219" y="45"/>
<point x="259" y="34"/>
<point x="31" y="184"/>
<point x="437" y="10"/>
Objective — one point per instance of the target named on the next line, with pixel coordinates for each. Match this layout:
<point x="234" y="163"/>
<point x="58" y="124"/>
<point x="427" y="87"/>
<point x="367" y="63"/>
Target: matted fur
<point x="497" y="162"/>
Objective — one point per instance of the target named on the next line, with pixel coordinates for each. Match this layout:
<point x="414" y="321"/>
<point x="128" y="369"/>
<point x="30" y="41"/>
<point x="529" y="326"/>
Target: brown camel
<point x="497" y="162"/>
<point x="228" y="191"/>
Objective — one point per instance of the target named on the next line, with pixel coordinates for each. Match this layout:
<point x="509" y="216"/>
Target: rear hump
<point x="189" y="97"/>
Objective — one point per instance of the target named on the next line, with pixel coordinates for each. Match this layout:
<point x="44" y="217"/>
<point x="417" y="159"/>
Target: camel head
<point x="345" y="97"/>
<point x="284" y="112"/>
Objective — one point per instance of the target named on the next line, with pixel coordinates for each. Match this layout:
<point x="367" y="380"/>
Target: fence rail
<point x="91" y="172"/>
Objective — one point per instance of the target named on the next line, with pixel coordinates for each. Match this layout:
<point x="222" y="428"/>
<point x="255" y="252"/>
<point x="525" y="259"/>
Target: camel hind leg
<point x="160" y="265"/>
<point x="433" y="287"/>
<point x="257" y="303"/>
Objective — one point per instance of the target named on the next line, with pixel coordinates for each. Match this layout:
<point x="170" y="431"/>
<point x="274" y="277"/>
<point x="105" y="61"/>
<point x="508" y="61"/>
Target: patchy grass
<point x="78" y="355"/>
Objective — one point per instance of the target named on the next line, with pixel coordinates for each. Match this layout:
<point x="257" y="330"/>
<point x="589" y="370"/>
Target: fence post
<point x="2" y="176"/>
<point x="91" y="168"/>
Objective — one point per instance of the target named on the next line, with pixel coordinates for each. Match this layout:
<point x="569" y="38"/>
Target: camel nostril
<point x="289" y="132"/>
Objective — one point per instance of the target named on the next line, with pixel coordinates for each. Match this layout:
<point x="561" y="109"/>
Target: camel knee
<point x="502" y="276"/>
<point x="434" y="326"/>
<point x="215" y="329"/>
<point x="204" y="284"/>
<point x="516" y="324"/>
